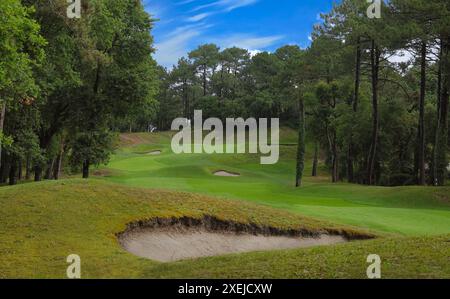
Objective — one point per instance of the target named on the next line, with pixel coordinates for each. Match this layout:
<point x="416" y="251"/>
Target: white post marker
<point x="74" y="269"/>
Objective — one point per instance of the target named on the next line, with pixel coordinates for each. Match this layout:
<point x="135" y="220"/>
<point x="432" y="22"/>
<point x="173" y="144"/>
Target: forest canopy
<point x="67" y="86"/>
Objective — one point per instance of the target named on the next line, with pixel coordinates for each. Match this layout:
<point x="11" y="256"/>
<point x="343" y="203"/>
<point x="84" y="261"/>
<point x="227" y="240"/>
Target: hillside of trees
<point x="67" y="86"/>
<point x="378" y="121"/>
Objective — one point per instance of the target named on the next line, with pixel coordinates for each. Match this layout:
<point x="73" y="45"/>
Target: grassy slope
<point x="41" y="224"/>
<point x="410" y="211"/>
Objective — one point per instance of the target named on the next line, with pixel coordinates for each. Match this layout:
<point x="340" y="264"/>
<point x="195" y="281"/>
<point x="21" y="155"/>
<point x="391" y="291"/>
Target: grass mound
<point x="41" y="224"/>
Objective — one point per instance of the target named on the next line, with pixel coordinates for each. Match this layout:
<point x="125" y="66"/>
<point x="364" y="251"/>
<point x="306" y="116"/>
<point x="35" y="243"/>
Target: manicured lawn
<point x="407" y="211"/>
<point x="42" y="223"/>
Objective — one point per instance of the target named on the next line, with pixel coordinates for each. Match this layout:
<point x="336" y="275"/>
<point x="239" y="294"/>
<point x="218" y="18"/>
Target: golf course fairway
<point x="408" y="211"/>
<point x="42" y="223"/>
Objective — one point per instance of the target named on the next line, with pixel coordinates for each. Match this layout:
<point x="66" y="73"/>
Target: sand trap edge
<point x="210" y="224"/>
<point x="224" y="173"/>
<point x="154" y="153"/>
<point x="213" y="224"/>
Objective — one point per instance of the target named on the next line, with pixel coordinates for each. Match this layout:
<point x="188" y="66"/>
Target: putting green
<point x="400" y="210"/>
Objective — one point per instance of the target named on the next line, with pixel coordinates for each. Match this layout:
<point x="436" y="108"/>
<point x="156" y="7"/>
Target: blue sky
<point x="256" y="25"/>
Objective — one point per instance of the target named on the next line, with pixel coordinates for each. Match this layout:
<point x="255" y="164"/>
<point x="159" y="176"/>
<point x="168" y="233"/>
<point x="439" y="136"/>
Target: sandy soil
<point x="226" y="173"/>
<point x="170" y="244"/>
<point x="154" y="153"/>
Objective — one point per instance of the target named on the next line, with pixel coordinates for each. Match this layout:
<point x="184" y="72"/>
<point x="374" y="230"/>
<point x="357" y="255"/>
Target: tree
<point x="117" y="71"/>
<point x="205" y="59"/>
<point x="90" y="148"/>
<point x="301" y="143"/>
<point x="183" y="78"/>
<point x="20" y="50"/>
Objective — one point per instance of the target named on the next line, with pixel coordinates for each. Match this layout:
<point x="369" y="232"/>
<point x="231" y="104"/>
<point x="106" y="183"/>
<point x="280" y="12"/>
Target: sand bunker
<point x="173" y="239"/>
<point x="154" y="153"/>
<point x="226" y="173"/>
<point x="166" y="245"/>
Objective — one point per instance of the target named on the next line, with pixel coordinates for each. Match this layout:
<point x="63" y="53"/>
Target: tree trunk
<point x="357" y="76"/>
<point x="49" y="170"/>
<point x="13" y="173"/>
<point x="28" y="168"/>
<point x="19" y="175"/>
<point x="316" y="159"/>
<point x="204" y="81"/>
<point x="301" y="144"/>
<point x="421" y="143"/>
<point x="375" y="63"/>
<point x="350" y="170"/>
<point x="58" y="166"/>
<point x="2" y="123"/>
<point x="334" y="160"/>
<point x="350" y="153"/>
<point x="185" y="100"/>
<point x="4" y="174"/>
<point x="37" y="173"/>
<point x="440" y="151"/>
<point x="86" y="165"/>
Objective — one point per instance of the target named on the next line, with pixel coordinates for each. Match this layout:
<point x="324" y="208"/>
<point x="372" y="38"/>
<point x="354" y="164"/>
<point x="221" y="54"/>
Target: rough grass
<point x="41" y="224"/>
<point x="400" y="258"/>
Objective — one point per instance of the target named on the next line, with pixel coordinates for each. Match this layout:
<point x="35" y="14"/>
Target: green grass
<point x="42" y="223"/>
<point x="409" y="211"/>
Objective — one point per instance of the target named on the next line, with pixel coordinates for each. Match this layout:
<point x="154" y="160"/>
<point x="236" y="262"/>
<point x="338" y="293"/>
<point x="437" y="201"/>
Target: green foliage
<point x="97" y="74"/>
<point x="93" y="146"/>
<point x="20" y="49"/>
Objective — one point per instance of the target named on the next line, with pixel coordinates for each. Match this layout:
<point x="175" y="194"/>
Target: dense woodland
<point x="68" y="85"/>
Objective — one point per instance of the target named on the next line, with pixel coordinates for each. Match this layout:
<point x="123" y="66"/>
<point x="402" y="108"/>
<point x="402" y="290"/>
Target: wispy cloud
<point x="176" y="44"/>
<point x="156" y="9"/>
<point x="226" y="5"/>
<point x="185" y="2"/>
<point x="249" y="42"/>
<point x="199" y="17"/>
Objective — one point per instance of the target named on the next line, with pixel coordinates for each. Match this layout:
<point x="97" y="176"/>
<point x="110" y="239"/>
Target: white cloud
<point x="155" y="9"/>
<point x="227" y="5"/>
<point x="185" y="2"/>
<point x="249" y="42"/>
<point x="254" y="52"/>
<point x="400" y="56"/>
<point x="176" y="44"/>
<point x="199" y="17"/>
